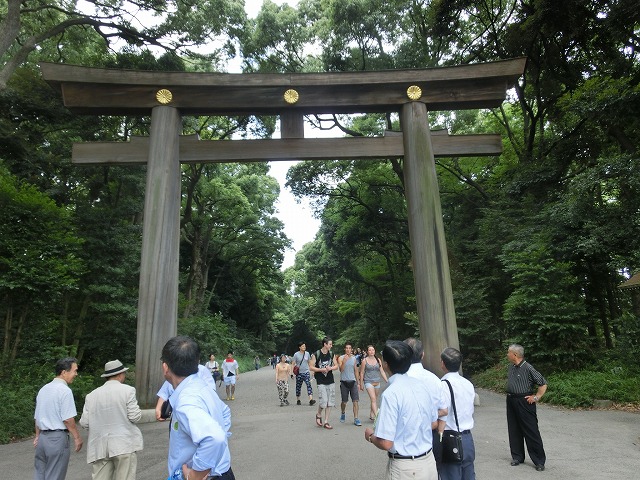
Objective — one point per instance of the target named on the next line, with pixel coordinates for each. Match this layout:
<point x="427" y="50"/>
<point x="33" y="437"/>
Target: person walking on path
<point x="283" y="372"/>
<point x="435" y="386"/>
<point x="301" y="360"/>
<point x="405" y="421"/>
<point x="198" y="437"/>
<point x="349" y="383"/>
<point x="322" y="364"/>
<point x="256" y="362"/>
<point x="230" y="373"/>
<point x="54" y="420"/>
<point x="214" y="368"/>
<point x="110" y="412"/>
<point x="522" y="419"/>
<point x="370" y="372"/>
<point x="464" y="395"/>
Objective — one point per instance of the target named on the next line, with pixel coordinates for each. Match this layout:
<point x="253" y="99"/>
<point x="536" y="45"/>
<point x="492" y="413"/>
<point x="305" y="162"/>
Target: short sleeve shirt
<point x="54" y="404"/>
<point x="405" y="416"/>
<point x="302" y="362"/>
<point x="523" y="378"/>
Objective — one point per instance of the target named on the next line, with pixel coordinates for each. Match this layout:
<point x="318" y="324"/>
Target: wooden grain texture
<point x="158" y="294"/>
<point x="434" y="297"/>
<point x="193" y="150"/>
<point x="124" y="92"/>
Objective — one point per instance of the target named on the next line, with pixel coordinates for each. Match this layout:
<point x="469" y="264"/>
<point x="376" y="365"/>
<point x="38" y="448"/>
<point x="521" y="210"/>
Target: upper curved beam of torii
<point x="98" y="91"/>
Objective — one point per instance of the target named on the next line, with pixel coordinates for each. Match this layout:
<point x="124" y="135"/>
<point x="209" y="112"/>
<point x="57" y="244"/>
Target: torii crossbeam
<point x="169" y="95"/>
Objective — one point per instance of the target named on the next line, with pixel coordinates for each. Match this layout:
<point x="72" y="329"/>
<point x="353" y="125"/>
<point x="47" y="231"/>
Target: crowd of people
<point x="422" y="421"/>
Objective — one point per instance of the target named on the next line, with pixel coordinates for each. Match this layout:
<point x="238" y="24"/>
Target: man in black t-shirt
<point x="322" y="363"/>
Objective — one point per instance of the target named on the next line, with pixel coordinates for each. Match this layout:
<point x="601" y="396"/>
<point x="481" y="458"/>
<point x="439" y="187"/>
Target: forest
<point x="539" y="238"/>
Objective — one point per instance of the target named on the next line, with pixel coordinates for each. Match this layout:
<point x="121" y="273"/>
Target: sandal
<point x="327" y="426"/>
<point x="319" y="420"/>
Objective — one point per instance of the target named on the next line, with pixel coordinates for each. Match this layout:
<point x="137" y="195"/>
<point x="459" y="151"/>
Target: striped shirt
<point x="523" y="378"/>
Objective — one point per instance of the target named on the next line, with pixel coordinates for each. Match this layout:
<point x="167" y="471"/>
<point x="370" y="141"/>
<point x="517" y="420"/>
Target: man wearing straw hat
<point x="109" y="413"/>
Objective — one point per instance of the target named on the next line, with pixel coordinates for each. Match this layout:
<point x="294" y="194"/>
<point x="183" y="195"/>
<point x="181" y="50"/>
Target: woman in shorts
<point x="370" y="372"/>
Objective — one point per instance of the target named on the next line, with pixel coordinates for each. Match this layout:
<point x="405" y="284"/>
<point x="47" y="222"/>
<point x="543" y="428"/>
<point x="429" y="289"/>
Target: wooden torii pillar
<point x="169" y="95"/>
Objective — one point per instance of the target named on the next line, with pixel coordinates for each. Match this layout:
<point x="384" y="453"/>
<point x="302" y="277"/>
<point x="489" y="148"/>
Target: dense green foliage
<point x="539" y="238"/>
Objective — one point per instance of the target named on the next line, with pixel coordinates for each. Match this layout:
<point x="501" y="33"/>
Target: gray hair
<point x="517" y="349"/>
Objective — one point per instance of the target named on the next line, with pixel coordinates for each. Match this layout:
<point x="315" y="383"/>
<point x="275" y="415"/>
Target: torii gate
<point x="169" y="95"/>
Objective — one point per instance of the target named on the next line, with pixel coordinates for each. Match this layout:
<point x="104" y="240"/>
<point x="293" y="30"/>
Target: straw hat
<point x="114" y="367"/>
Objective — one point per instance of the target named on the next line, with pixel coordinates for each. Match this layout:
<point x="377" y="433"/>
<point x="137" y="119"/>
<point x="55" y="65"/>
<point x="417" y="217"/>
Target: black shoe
<point x="312" y="402"/>
<point x="515" y="463"/>
<point x="298" y="403"/>
<point x="540" y="468"/>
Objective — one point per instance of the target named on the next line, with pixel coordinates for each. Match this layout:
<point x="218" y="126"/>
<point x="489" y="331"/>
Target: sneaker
<point x="298" y="403"/>
<point x="312" y="402"/>
<point x="228" y="398"/>
<point x="357" y="422"/>
<point x="342" y="418"/>
<point x="232" y="397"/>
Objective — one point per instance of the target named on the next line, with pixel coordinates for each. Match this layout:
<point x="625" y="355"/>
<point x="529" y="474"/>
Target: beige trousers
<point x="121" y="467"/>
<point x="423" y="468"/>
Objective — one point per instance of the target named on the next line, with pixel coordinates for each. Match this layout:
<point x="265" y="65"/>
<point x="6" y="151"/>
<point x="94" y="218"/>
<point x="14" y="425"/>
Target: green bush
<point x="17" y="422"/>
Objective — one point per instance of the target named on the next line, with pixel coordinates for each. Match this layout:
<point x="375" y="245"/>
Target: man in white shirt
<point x="230" y="372"/>
<point x="464" y="395"/>
<point x="405" y="421"/>
<point x="110" y="412"/>
<point x="55" y="419"/>
<point x="436" y="389"/>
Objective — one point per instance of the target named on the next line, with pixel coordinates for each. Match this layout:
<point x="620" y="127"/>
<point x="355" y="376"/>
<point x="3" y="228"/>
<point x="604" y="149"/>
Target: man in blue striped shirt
<point x="522" y="420"/>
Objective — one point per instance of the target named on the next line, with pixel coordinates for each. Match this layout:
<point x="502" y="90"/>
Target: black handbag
<point x="451" y="439"/>
<point x="165" y="410"/>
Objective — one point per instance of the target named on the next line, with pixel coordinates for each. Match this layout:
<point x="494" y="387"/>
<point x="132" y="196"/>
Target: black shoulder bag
<point x="452" y="439"/>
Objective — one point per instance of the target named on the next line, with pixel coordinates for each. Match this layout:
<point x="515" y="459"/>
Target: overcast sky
<point x="300" y="226"/>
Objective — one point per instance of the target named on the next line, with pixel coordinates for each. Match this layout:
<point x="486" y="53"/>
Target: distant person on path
<point x="434" y="385"/>
<point x="274" y="361"/>
<point x="256" y="362"/>
<point x="370" y="372"/>
<point x="283" y="372"/>
<point x="301" y="360"/>
<point x="349" y="383"/>
<point x="110" y="412"/>
<point x="464" y="395"/>
<point x="214" y="368"/>
<point x="198" y="445"/>
<point x="230" y="373"/>
<point x="405" y="421"/>
<point x="322" y="364"/>
<point x="522" y="420"/>
<point x="54" y="419"/>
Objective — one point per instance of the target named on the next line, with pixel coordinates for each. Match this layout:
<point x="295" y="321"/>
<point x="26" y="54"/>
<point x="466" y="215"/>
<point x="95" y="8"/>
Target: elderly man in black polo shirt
<point x="522" y="419"/>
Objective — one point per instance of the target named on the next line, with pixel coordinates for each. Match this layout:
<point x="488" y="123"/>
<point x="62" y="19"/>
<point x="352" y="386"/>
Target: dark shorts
<point x="349" y="387"/>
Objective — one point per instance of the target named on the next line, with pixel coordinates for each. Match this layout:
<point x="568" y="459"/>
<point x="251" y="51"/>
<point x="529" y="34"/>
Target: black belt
<point x="58" y="430"/>
<point x="227" y="474"/>
<point x="464" y="432"/>
<point x="518" y="395"/>
<point x="397" y="456"/>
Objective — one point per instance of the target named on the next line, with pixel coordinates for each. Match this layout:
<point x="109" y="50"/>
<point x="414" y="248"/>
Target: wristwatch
<point x="535" y="398"/>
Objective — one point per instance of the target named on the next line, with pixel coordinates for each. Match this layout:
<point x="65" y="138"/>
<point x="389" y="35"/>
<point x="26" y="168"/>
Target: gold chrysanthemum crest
<point x="414" y="92"/>
<point x="291" y="96"/>
<point x="164" y="96"/>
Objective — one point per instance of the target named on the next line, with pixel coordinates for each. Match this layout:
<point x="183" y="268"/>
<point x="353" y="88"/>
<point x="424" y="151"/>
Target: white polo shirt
<point x="465" y="395"/>
<point x="54" y="404"/>
<point x="405" y="416"/>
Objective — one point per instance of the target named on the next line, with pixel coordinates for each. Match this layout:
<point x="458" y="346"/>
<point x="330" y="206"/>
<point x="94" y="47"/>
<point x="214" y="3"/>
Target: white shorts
<point x="230" y="380"/>
<point x="327" y="395"/>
